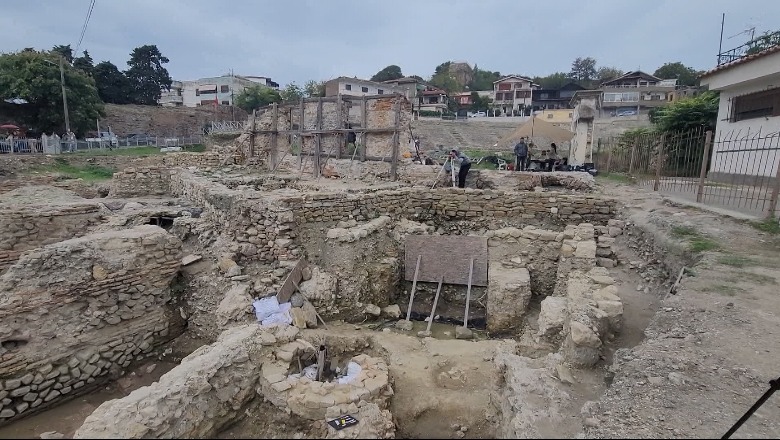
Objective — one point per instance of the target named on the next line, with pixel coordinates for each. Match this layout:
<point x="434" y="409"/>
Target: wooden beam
<point x="364" y="126"/>
<point x="300" y="136"/>
<point x="396" y="140"/>
<point x="435" y="301"/>
<point x="252" y="134"/>
<point x="273" y="157"/>
<point x="330" y="131"/>
<point x="318" y="140"/>
<point x="414" y="289"/>
<point x="339" y="125"/>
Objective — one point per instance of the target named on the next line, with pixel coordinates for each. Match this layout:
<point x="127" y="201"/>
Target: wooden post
<point x="396" y="141"/>
<point x="339" y="124"/>
<point x="609" y="161"/>
<point x="468" y="294"/>
<point x="300" y="137"/>
<point x="364" y="122"/>
<point x="770" y="214"/>
<point x="318" y="139"/>
<point x="414" y="289"/>
<point x="704" y="165"/>
<point x="631" y="161"/>
<point x="433" y="309"/>
<point x="252" y="134"/>
<point x="659" y="163"/>
<point x="273" y="156"/>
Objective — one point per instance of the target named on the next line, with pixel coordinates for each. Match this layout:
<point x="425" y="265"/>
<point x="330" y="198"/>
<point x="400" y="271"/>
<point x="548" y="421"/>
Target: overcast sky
<point x="298" y="40"/>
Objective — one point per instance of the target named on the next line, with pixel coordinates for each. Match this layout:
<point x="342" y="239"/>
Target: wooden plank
<point x="449" y="256"/>
<point x="435" y="302"/>
<point x="292" y="280"/>
<point x="468" y="294"/>
<point x="396" y="141"/>
<point x="339" y="125"/>
<point x="414" y="288"/>
<point x="300" y="136"/>
<point x="273" y="156"/>
<point x="252" y="134"/>
<point x="318" y="141"/>
<point x="364" y="126"/>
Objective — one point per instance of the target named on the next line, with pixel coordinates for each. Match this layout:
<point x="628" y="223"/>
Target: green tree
<point x="583" y="69"/>
<point x="314" y="89"/>
<point x="254" y="97"/>
<point x="35" y="77"/>
<point x="112" y="85"/>
<point x="607" y="73"/>
<point x="147" y="75"/>
<point x="686" y="76"/>
<point x="553" y="81"/>
<point x="65" y="51"/>
<point x="483" y="79"/>
<point x="390" y="72"/>
<point x="688" y="113"/>
<point x="479" y="103"/>
<point x="84" y="63"/>
<point x="291" y="93"/>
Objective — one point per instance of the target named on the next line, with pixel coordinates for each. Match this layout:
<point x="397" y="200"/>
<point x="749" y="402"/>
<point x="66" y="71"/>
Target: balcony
<point x="171" y="100"/>
<point x="752" y="47"/>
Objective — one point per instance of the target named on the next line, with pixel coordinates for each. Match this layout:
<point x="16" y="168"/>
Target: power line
<point x="84" y="28"/>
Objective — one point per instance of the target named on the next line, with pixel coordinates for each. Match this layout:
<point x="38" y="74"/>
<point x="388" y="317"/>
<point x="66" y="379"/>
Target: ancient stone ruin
<point x="304" y="293"/>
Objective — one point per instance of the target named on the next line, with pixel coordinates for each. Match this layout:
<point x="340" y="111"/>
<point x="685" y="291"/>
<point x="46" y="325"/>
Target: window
<point x="197" y="92"/>
<point x="505" y="86"/>
<point x="522" y="94"/>
<point x="543" y="95"/>
<point x="348" y="86"/>
<point x="207" y="92"/>
<point x="364" y="89"/>
<point x="621" y="97"/>
<point x="225" y="102"/>
<point x="380" y="91"/>
<point x="756" y="105"/>
<point x="224" y="89"/>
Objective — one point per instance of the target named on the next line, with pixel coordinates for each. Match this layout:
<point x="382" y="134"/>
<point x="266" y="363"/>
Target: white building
<point x="747" y="134"/>
<point x="360" y="87"/>
<point x="220" y="90"/>
<point x="513" y="95"/>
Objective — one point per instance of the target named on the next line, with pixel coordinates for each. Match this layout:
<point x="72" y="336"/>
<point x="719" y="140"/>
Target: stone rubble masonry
<point x="30" y="226"/>
<point x="509" y="293"/>
<point x="78" y="309"/>
<point x="140" y="182"/>
<point x="207" y="391"/>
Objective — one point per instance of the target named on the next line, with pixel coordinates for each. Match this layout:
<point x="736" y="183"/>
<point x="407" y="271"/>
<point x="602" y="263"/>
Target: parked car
<point x="626" y="113"/>
<point x="478" y="115"/>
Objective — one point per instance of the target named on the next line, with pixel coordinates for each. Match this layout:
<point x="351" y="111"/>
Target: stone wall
<point x="141" y="182"/>
<point x="30" y="226"/>
<point x="75" y="311"/>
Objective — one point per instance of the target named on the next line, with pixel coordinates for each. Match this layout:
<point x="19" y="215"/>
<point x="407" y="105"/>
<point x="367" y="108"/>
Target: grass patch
<point x="137" y="151"/>
<point x="723" y="289"/>
<point x="735" y="261"/>
<point x="616" y="178"/>
<point x="756" y="278"/>
<point x="770" y="226"/>
<point x="88" y="172"/>
<point x="697" y="242"/>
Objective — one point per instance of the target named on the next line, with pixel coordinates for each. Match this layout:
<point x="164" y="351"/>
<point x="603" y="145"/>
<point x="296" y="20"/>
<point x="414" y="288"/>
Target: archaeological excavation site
<point x="290" y="284"/>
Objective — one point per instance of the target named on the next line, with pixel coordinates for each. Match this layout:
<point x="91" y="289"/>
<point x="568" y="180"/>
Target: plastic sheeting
<point x="353" y="370"/>
<point x="269" y="312"/>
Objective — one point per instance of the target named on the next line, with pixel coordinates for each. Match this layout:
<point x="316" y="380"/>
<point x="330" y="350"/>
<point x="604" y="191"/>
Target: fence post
<point x="631" y="161"/>
<point x="659" y="163"/>
<point x="609" y="161"/>
<point x="775" y="193"/>
<point x="704" y="165"/>
<point x="252" y="134"/>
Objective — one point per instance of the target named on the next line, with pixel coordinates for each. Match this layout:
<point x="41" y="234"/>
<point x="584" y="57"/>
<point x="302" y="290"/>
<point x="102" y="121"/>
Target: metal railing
<point x="56" y="145"/>
<point x="227" y="127"/>
<point x="751" y="47"/>
<point x="733" y="172"/>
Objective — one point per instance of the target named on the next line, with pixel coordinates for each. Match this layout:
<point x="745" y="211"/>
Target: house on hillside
<point x="747" y="134"/>
<point x="635" y="92"/>
<point x="513" y="95"/>
<point x="218" y="90"/>
<point x="359" y="87"/>
<point x="549" y="99"/>
<point x="422" y="95"/>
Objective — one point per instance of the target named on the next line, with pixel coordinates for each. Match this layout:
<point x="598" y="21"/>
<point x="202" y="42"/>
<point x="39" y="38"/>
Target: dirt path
<point x="712" y="348"/>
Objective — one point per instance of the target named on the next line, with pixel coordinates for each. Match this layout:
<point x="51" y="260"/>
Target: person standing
<point x="465" y="165"/>
<point x="521" y="153"/>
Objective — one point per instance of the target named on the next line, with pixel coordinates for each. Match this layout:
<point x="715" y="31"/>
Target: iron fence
<point x="732" y="171"/>
<point x="57" y="145"/>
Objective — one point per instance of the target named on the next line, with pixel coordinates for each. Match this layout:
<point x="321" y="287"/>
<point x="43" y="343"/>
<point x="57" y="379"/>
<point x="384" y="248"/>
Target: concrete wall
<point x="74" y="311"/>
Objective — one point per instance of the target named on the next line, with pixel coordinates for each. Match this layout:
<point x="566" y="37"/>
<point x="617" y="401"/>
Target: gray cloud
<point x="297" y="40"/>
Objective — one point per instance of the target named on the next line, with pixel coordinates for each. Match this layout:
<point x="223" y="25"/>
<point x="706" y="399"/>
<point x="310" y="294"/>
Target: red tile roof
<point x="742" y="60"/>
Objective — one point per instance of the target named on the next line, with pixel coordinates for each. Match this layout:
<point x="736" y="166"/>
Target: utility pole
<point x="64" y="96"/>
<point x="232" y="103"/>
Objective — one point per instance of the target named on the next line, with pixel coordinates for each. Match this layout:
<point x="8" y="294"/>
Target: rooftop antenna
<point x="720" y="45"/>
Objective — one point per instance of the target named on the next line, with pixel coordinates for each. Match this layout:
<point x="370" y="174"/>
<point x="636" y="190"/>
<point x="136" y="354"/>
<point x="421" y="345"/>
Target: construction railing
<point x="731" y="171"/>
<point x="57" y="145"/>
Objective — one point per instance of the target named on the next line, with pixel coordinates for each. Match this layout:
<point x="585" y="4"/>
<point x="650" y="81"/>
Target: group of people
<point x="522" y="160"/>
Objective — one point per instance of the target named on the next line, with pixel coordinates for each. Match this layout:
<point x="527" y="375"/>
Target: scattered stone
<point x="392" y="311"/>
<point x="189" y="259"/>
<point x="52" y="435"/>
<point x="373" y="310"/>
<point x="463" y="333"/>
<point x="296" y="300"/>
<point x="404" y="325"/>
<point x="233" y="271"/>
<point x="298" y="317"/>
<point x="306" y="273"/>
<point x="150" y="368"/>
<point x="564" y="374"/>
<point x="582" y="335"/>
<point x="423" y="334"/>
<point x="592" y="422"/>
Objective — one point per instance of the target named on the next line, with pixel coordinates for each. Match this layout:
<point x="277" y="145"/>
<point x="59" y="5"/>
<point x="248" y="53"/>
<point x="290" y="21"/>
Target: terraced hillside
<point x="461" y="134"/>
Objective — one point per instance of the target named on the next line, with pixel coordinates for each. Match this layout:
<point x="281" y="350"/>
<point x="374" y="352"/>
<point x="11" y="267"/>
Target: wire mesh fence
<point x="732" y="171"/>
<point x="57" y="145"/>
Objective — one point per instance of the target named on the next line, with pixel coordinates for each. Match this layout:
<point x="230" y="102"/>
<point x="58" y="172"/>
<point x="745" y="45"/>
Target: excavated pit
<point x="553" y="301"/>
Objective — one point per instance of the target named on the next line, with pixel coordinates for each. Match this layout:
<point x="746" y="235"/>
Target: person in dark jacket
<point x="465" y="164"/>
<point x="521" y="152"/>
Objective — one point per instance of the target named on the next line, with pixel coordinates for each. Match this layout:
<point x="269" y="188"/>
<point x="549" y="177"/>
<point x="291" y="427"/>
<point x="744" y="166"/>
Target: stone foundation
<point x="75" y="311"/>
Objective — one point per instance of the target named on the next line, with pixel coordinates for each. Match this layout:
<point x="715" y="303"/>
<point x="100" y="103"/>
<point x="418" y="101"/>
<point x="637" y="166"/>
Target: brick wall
<point x="75" y="311"/>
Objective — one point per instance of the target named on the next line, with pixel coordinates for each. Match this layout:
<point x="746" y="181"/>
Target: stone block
<point x="552" y="315"/>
